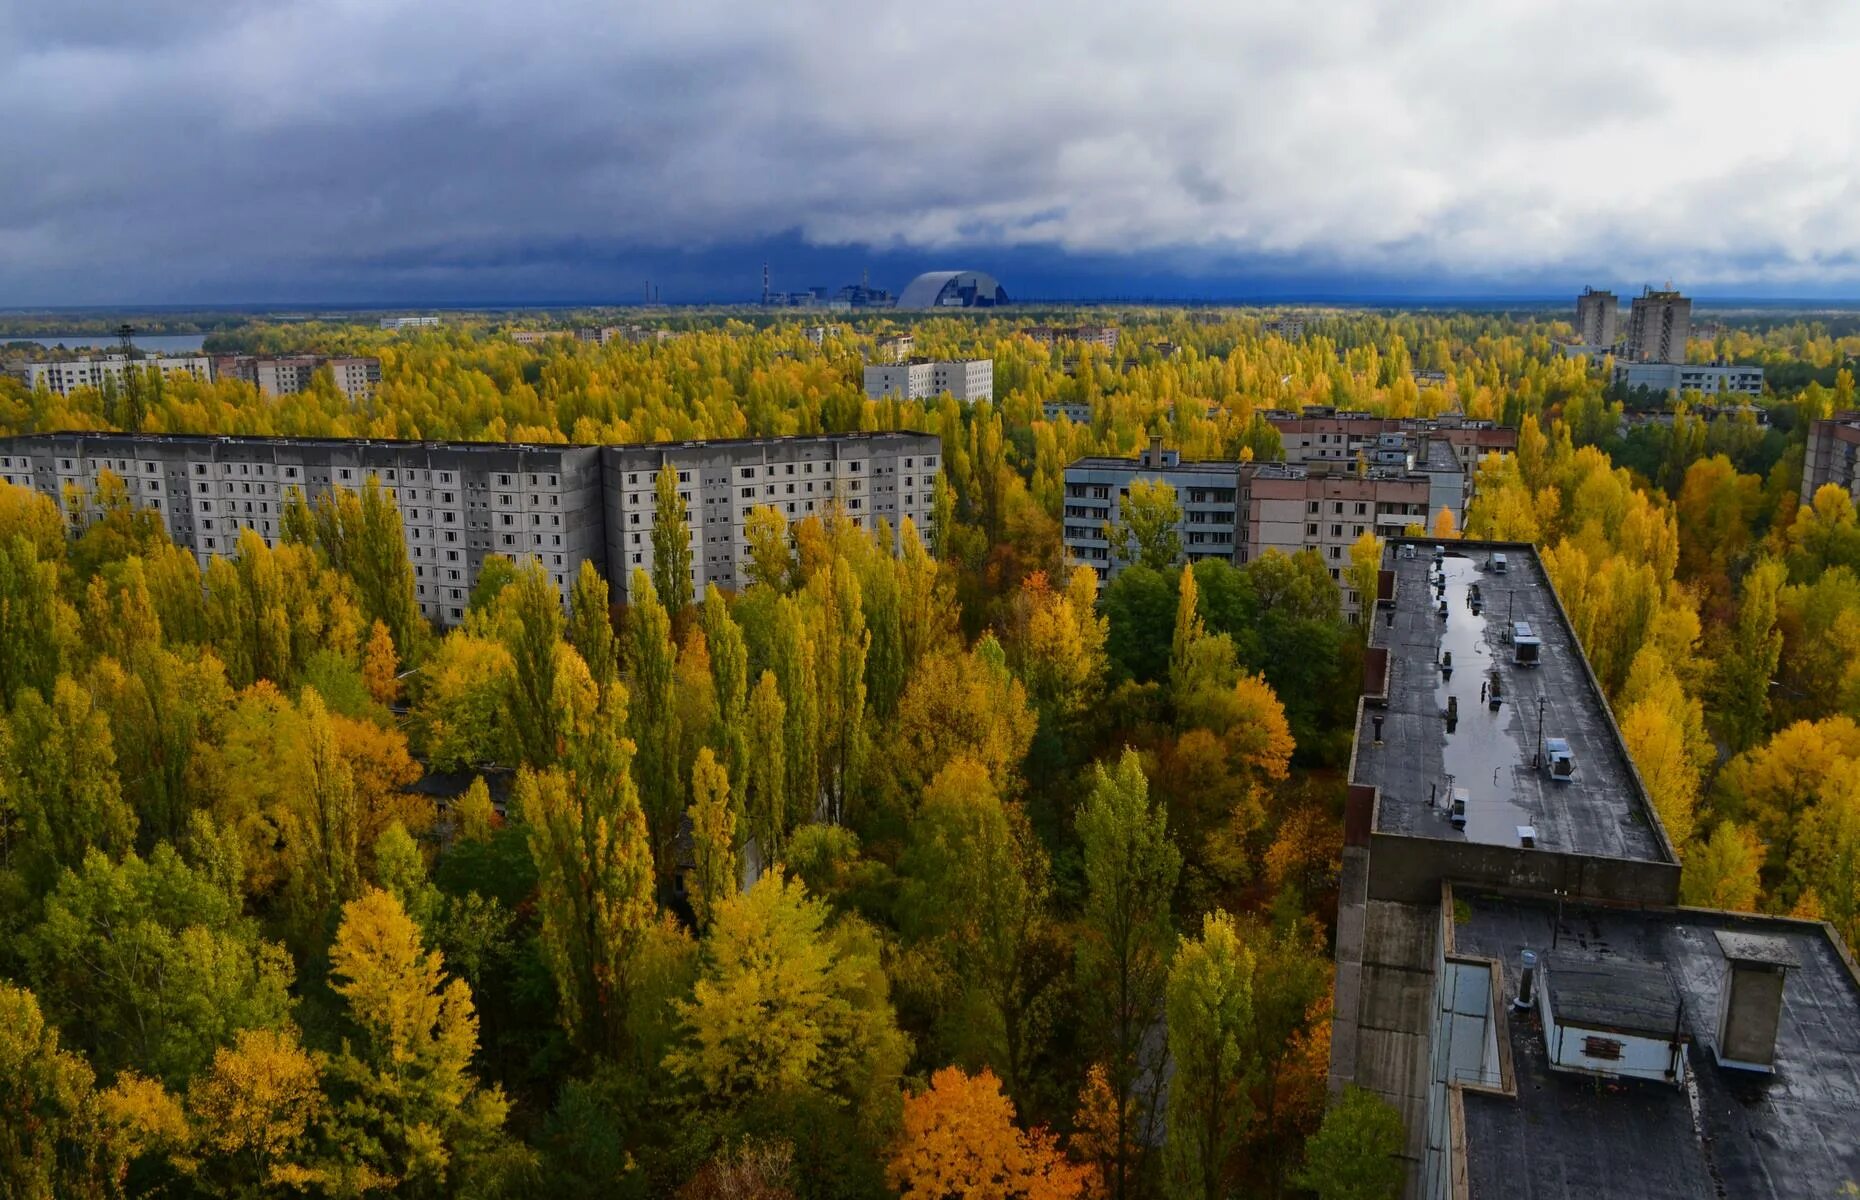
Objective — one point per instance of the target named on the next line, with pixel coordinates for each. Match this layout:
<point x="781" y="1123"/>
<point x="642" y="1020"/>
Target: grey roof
<point x="1602" y="810"/>
<point x="1601" y="993"/>
<point x="924" y="291"/>
<point x="1728" y="1133"/>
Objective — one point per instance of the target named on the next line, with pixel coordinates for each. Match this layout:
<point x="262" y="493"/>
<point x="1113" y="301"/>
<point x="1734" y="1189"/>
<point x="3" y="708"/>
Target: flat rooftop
<point x="1728" y="1132"/>
<point x="1440" y="457"/>
<point x="1601" y="810"/>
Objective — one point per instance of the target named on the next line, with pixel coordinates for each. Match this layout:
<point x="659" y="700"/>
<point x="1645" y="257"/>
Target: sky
<point x="399" y="151"/>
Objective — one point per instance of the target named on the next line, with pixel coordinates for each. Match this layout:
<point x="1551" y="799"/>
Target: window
<point x="1601" y="1047"/>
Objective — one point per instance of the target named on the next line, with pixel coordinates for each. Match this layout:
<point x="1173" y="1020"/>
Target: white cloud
<point x="1711" y="142"/>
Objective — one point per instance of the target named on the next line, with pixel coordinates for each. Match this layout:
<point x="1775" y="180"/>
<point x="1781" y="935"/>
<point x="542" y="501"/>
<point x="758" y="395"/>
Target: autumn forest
<point x="300" y="895"/>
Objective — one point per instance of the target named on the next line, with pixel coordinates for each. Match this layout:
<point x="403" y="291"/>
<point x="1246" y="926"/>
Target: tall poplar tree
<point x="587" y="837"/>
<point x="765" y="782"/>
<point x="671" y="543"/>
<point x="729" y="672"/>
<point x="1130" y="874"/>
<point x="590" y="630"/>
<point x="652" y="719"/>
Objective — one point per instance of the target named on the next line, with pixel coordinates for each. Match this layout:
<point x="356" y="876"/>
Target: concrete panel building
<point x="63" y="378"/>
<point x="868" y="477"/>
<point x="557" y="505"/>
<point x="1596" y="317"/>
<point x="1324" y="433"/>
<point x="1237" y="511"/>
<point x="1833" y="452"/>
<point x="355" y="377"/>
<point x="1658" y="325"/>
<point x="967" y="380"/>
<point x="1512" y="972"/>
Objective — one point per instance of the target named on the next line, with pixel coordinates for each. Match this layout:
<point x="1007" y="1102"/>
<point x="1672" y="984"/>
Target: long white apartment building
<point x="557" y="505"/>
<point x="967" y="380"/>
<point x="63" y="378"/>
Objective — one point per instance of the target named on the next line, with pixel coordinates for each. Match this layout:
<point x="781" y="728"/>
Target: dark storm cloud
<point x="188" y="149"/>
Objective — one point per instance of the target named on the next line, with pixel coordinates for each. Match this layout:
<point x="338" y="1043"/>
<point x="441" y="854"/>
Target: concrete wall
<point x="1409" y="870"/>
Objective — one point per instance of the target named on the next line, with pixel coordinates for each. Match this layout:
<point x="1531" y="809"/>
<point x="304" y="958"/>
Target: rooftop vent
<point x="1750" y="1006"/>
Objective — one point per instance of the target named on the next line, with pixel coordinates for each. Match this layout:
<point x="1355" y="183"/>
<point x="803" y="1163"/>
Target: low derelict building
<point x="558" y="505"/>
<point x="1513" y="973"/>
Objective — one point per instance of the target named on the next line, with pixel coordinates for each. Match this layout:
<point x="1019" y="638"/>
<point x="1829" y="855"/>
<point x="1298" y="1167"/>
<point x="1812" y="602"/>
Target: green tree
<point x="786" y="1006"/>
<point x="652" y="719"/>
<point x="1130" y="868"/>
<point x="587" y="836"/>
<point x="841" y="642"/>
<point x="151" y="964"/>
<point x="530" y="620"/>
<point x="713" y="873"/>
<point x="729" y="672"/>
<point x="35" y="622"/>
<point x="671" y="543"/>
<point x="322" y="835"/>
<point x="1354" y="1154"/>
<point x="1748" y="663"/>
<point x="793" y="658"/>
<point x="978" y="881"/>
<point x="1146" y="530"/>
<point x="1210" y="1013"/>
<point x="765" y="784"/>
<point x="62" y="784"/>
<point x="1722" y="871"/>
<point x="52" y="1140"/>
<point x="590" y="631"/>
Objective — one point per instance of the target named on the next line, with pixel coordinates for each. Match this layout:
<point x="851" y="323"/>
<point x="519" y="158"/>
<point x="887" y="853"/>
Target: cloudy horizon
<point x="198" y="151"/>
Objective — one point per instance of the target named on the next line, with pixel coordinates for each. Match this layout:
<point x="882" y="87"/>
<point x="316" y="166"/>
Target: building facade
<point x="559" y="506"/>
<point x="1596" y="316"/>
<point x="1658" y="324"/>
<point x="967" y="380"/>
<point x="1676" y="377"/>
<point x="1323" y="433"/>
<point x="355" y="377"/>
<point x="63" y="378"/>
<point x="399" y="323"/>
<point x="1237" y="511"/>
<point x="1833" y="456"/>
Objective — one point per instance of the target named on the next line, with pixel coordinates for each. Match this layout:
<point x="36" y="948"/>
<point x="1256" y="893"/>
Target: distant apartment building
<point x="1237" y="511"/>
<point x="355" y="377"/>
<point x="400" y="323"/>
<point x="537" y="337"/>
<point x="63" y="378"/>
<point x="1103" y="336"/>
<point x="967" y="380"/>
<point x="1596" y="316"/>
<point x="817" y="335"/>
<point x="1658" y="323"/>
<point x="556" y="505"/>
<point x="896" y="347"/>
<point x="1833" y="452"/>
<point x="1323" y="433"/>
<point x="1290" y="328"/>
<point x="1676" y="377"/>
